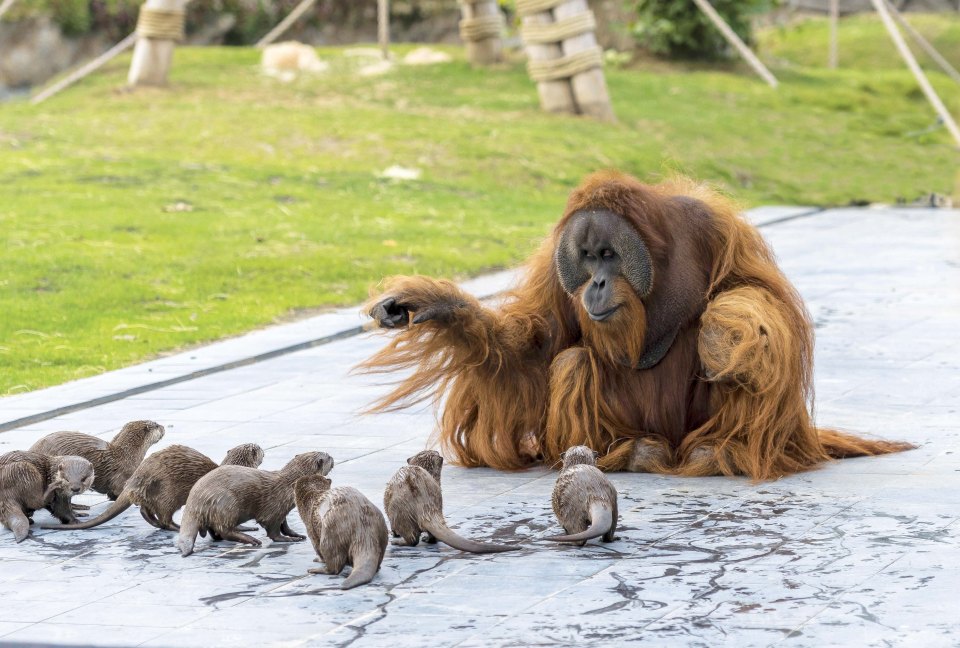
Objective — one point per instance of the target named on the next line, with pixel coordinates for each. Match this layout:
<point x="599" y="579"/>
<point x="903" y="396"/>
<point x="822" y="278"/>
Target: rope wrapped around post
<point x="481" y="27"/>
<point x="559" y="31"/>
<point x="530" y="7"/>
<point x="565" y="66"/>
<point x="161" y="24"/>
<point x="563" y="56"/>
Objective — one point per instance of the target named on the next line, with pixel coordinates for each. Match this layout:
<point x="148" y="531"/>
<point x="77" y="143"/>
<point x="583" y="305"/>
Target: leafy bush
<point x="677" y="28"/>
<point x="72" y="15"/>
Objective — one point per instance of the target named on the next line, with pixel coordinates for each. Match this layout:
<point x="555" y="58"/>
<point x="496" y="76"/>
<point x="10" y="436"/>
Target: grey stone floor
<point x="861" y="552"/>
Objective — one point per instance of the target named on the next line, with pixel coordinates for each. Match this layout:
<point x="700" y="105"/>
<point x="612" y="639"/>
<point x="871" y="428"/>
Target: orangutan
<point x="653" y="326"/>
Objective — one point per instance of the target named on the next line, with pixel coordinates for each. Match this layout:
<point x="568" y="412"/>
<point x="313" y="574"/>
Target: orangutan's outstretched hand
<point x="388" y="313"/>
<point x="422" y="298"/>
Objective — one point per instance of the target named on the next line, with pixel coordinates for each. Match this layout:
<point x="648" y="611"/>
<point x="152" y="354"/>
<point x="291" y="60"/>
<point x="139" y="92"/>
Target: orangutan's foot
<point x="529" y="447"/>
<point x="701" y="461"/>
<point x="651" y="455"/>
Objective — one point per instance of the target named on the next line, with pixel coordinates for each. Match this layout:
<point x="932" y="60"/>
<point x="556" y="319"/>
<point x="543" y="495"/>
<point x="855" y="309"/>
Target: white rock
<point x="285" y="60"/>
<point x="397" y="172"/>
<point x="426" y="56"/>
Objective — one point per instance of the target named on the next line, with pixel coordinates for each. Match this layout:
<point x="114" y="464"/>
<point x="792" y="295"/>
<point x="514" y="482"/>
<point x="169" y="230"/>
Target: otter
<point x="112" y="461"/>
<point x="584" y="500"/>
<point x="413" y="502"/>
<point x="230" y="495"/>
<point x="21" y="492"/>
<point x="63" y="477"/>
<point x="345" y="528"/>
<point x="160" y="485"/>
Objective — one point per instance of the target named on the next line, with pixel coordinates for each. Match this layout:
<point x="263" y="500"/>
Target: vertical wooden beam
<point x="488" y="50"/>
<point x="383" y="27"/>
<point x="590" y="87"/>
<point x="737" y="43"/>
<point x="556" y="95"/>
<point x="834" y="27"/>
<point x="153" y="57"/>
<point x="907" y="55"/>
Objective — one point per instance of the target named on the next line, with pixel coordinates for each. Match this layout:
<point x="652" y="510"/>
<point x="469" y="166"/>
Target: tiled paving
<point x="861" y="552"/>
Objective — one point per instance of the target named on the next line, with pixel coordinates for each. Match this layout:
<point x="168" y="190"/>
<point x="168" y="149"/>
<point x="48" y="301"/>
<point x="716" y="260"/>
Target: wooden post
<point x="555" y="95"/>
<point x="5" y="7"/>
<point x="924" y="44"/>
<point x="286" y="23"/>
<point x="590" y="86"/>
<point x="480" y="29"/>
<point x="834" y="25"/>
<point x="563" y="56"/>
<point x="87" y="69"/>
<point x="932" y="97"/>
<point x="383" y="27"/>
<point x="737" y="43"/>
<point x="158" y="29"/>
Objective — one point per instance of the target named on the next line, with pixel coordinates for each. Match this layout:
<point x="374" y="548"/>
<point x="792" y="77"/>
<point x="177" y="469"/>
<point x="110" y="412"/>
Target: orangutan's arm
<point x="435" y="315"/>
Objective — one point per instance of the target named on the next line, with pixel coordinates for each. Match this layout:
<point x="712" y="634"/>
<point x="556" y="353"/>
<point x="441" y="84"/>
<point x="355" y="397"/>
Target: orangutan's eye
<point x="607" y="254"/>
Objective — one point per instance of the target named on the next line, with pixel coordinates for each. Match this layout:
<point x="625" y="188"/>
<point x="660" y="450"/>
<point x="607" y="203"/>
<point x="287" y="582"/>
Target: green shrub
<point x="678" y="29"/>
<point x="73" y="16"/>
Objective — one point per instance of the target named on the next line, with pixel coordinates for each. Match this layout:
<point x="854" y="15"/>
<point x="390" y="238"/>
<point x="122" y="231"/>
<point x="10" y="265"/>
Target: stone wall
<point x="35" y="49"/>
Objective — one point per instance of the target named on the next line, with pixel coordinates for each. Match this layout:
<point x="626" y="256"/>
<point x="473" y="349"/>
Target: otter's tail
<point x="439" y="529"/>
<point x="189" y="527"/>
<point x="364" y="569"/>
<point x="841" y="445"/>
<point x="601" y="519"/>
<point x="116" y="508"/>
<point x="15" y="520"/>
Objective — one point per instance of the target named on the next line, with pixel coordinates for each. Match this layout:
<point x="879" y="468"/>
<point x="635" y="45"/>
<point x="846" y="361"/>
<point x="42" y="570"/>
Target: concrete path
<point x="861" y="552"/>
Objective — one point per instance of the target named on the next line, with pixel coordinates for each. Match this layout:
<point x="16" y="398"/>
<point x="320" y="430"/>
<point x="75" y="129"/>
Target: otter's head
<point x="309" y="463"/>
<point x="579" y="455"/>
<point x="142" y="434"/>
<point x="246" y="454"/>
<point x="74" y="475"/>
<point x="309" y="487"/>
<point x="429" y="460"/>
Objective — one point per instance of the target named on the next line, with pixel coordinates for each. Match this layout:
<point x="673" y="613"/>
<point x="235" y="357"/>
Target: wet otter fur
<point x="344" y="527"/>
<point x="113" y="461"/>
<point x="584" y="500"/>
<point x="413" y="502"/>
<point x="63" y="477"/>
<point x="230" y="495"/>
<point x="21" y="492"/>
<point x="161" y="484"/>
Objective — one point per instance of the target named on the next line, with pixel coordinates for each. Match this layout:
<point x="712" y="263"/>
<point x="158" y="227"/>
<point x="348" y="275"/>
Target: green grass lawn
<point x="862" y="43"/>
<point x="138" y="223"/>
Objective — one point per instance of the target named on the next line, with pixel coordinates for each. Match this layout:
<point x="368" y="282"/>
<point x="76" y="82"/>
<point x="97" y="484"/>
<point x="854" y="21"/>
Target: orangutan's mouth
<point x="599" y="317"/>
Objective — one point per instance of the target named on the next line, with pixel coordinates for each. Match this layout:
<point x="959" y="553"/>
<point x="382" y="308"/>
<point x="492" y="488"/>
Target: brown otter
<point x="113" y="461"/>
<point x="160" y="485"/>
<point x="63" y="477"/>
<point x="230" y="495"/>
<point x="345" y="528"/>
<point x="21" y="493"/>
<point x="413" y="502"/>
<point x="584" y="500"/>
